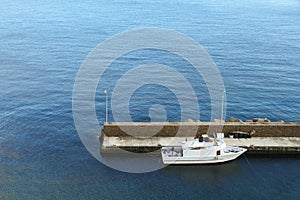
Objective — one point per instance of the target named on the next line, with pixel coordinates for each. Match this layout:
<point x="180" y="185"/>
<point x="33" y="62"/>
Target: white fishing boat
<point x="202" y="150"/>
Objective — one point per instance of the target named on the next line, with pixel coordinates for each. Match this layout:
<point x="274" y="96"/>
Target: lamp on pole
<point x="106" y="105"/>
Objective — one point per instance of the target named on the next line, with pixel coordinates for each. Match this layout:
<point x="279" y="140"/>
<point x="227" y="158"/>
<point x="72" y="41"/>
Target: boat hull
<point x="226" y="157"/>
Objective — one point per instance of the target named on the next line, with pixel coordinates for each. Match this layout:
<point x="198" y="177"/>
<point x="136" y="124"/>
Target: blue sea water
<point x="255" y="45"/>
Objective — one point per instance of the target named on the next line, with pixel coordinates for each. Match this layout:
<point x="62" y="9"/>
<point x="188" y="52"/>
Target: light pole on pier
<point x="106" y="105"/>
<point x="223" y="105"/>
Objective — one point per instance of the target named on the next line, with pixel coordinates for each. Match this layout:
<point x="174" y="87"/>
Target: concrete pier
<point x="269" y="137"/>
<point x="254" y="145"/>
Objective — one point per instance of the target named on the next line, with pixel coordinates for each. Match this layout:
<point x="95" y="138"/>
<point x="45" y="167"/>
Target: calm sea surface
<point x="254" y="43"/>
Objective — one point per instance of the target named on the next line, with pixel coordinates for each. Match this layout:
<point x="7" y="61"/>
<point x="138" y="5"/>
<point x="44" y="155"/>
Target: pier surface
<point x="274" y="137"/>
<point x="254" y="145"/>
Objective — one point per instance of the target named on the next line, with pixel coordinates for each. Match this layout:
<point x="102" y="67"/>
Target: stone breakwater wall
<point x="172" y="129"/>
